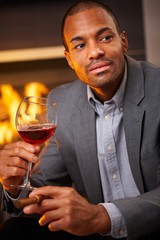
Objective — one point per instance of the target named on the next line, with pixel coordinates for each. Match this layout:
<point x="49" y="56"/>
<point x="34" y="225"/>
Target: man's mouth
<point x="99" y="67"/>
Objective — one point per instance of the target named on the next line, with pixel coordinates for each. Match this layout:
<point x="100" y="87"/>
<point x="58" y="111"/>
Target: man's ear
<point x="67" y="55"/>
<point x="124" y="39"/>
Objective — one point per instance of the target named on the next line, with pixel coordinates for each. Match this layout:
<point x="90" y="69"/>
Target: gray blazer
<point x="75" y="161"/>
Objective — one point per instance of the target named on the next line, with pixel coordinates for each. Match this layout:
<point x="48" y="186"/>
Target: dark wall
<point x="32" y="24"/>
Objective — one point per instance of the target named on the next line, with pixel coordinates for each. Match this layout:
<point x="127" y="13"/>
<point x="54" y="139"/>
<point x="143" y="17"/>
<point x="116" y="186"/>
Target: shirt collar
<point x="117" y="98"/>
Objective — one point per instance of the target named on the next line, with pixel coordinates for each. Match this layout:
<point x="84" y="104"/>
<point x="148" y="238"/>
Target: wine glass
<point x="36" y="122"/>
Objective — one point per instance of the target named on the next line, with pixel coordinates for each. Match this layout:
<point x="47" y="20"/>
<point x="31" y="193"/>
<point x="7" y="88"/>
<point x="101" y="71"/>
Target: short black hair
<point x="85" y="5"/>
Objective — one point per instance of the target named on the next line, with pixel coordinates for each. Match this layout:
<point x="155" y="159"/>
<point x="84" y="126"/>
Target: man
<point x="103" y="179"/>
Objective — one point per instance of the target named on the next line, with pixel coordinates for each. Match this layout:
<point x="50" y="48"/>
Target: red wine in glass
<point x="37" y="134"/>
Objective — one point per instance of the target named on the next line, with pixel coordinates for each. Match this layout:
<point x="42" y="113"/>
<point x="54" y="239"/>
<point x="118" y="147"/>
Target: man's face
<point x="95" y="48"/>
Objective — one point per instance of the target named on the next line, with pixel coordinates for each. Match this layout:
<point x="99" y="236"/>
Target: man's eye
<point x="79" y="46"/>
<point x="106" y="38"/>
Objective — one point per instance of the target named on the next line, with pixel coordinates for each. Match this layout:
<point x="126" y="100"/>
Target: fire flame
<point x="9" y="102"/>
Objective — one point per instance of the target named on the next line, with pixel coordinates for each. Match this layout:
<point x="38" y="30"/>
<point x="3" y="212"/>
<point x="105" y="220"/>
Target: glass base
<point x="24" y="186"/>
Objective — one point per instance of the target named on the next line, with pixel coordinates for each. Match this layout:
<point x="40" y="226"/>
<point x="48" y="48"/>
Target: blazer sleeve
<point x="141" y="214"/>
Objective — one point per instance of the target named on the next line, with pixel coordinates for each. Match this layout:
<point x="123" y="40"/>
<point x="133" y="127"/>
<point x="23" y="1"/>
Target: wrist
<point x="103" y="221"/>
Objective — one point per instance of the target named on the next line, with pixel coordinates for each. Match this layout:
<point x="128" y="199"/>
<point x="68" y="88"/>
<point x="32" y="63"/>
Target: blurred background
<point x="31" y="51"/>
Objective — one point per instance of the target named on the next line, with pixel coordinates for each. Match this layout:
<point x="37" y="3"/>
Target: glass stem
<point x="27" y="180"/>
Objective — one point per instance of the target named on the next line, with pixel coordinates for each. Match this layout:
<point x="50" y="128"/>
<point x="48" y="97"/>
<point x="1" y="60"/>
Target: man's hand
<point x="64" y="209"/>
<point x="14" y="159"/>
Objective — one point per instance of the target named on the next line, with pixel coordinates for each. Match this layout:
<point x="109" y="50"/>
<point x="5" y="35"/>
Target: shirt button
<point x="106" y="117"/>
<point x="109" y="148"/>
<point x="121" y="232"/>
<point x="121" y="109"/>
<point x="114" y="176"/>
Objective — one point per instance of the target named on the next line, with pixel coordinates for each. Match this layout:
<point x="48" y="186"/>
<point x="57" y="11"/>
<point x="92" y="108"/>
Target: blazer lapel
<point x="133" y="118"/>
<point x="85" y="138"/>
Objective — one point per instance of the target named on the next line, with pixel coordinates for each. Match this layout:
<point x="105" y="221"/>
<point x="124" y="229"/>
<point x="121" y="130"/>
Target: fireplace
<point x="9" y="101"/>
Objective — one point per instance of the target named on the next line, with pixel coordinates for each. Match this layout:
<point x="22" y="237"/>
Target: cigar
<point x="21" y="203"/>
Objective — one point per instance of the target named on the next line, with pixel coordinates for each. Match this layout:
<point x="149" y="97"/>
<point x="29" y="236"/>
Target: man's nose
<point x="94" y="51"/>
